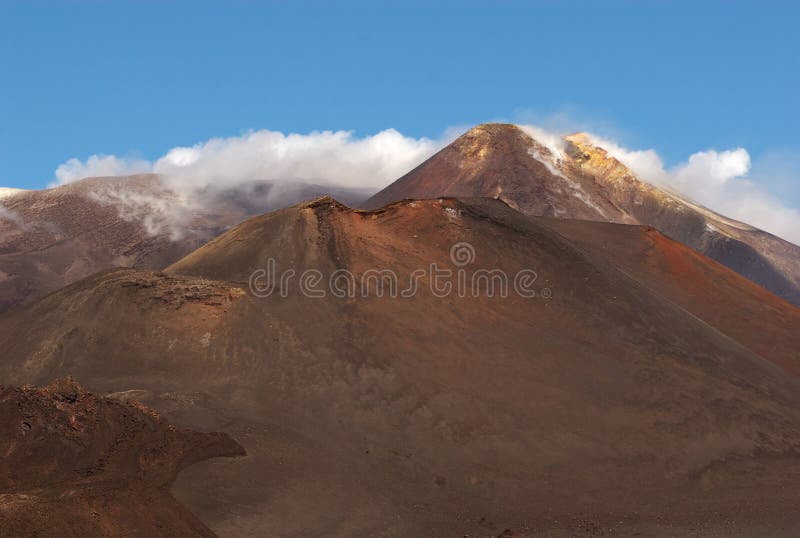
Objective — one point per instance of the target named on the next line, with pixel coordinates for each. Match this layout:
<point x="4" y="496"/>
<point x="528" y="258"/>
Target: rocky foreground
<point x="79" y="464"/>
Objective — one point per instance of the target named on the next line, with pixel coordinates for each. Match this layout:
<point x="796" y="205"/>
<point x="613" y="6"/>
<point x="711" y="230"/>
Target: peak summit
<point x="324" y="200"/>
<point x="494" y="129"/>
<point x="519" y="165"/>
<point x="486" y="138"/>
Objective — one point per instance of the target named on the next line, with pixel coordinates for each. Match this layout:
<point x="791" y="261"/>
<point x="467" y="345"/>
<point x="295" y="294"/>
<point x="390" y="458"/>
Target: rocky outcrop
<point x="78" y="464"/>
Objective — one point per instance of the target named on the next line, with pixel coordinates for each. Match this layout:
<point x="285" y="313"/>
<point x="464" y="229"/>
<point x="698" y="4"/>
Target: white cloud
<point x="159" y="213"/>
<point x="719" y="180"/>
<point x="99" y="166"/>
<point x="8" y="215"/>
<point x="646" y="164"/>
<point x="327" y="158"/>
<point x="335" y="158"/>
<point x="553" y="142"/>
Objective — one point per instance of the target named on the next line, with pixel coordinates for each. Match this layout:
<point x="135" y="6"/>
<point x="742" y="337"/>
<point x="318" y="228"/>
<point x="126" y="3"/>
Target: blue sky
<point x="138" y="78"/>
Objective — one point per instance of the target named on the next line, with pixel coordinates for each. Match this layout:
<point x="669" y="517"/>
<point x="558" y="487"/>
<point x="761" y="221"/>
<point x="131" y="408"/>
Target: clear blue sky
<point x="137" y="78"/>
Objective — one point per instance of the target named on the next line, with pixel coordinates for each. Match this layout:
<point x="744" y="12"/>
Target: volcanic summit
<point x="573" y="178"/>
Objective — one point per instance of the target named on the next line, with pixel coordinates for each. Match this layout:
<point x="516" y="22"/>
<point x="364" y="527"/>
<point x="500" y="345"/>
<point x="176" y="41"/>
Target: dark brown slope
<point x="581" y="181"/>
<point x="78" y="464"/>
<point x="608" y="404"/>
<point x="53" y="237"/>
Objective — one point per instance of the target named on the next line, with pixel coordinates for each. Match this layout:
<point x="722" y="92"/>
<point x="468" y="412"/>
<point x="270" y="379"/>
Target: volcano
<point x="627" y="384"/>
<point x="53" y="237"/>
<point x="573" y="178"/>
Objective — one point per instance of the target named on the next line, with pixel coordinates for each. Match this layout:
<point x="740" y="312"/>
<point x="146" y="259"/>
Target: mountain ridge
<point x="582" y="181"/>
<point x="607" y="397"/>
<point x="53" y="237"/>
